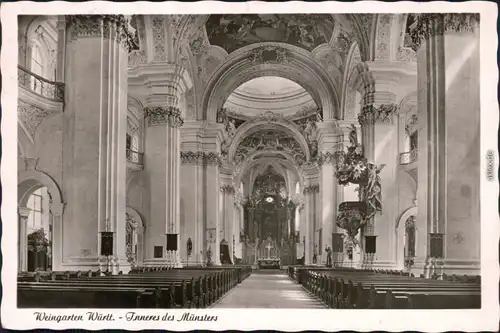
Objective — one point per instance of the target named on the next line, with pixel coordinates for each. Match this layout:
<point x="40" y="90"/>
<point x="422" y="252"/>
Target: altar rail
<point x="39" y="85"/>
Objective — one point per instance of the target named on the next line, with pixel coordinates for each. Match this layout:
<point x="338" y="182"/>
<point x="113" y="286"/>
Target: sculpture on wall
<point x="353" y="167"/>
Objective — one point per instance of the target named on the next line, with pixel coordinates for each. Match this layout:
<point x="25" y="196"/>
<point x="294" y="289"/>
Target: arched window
<point x="36" y="60"/>
<point x="37" y="67"/>
<point x="38" y="231"/>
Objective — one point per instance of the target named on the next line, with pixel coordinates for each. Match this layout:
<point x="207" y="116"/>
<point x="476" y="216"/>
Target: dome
<point x="269" y="93"/>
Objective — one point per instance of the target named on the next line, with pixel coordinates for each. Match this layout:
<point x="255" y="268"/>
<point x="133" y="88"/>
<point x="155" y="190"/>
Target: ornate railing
<point x="135" y="157"/>
<point x="39" y="85"/>
<point x="408" y="157"/>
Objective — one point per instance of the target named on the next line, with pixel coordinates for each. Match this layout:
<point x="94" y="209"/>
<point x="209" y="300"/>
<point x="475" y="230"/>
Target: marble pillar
<point x="192" y="205"/>
<point x="94" y="127"/>
<point x="380" y="144"/>
<point x="212" y="206"/>
<point x="24" y="213"/>
<point x="448" y="219"/>
<point x="327" y="141"/>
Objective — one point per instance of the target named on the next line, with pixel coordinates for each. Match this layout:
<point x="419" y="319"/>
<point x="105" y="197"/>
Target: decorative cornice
<point x="311" y="189"/>
<point x="428" y="25"/>
<point x="164" y="115"/>
<point x="378" y="114"/>
<point x="200" y="158"/>
<point x="106" y="26"/>
<point x="227" y="189"/>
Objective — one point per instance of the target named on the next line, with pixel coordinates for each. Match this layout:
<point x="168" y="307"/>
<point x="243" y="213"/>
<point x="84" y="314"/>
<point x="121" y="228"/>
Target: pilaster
<point x="24" y="213"/>
<point x="93" y="145"/>
<point x="448" y="167"/>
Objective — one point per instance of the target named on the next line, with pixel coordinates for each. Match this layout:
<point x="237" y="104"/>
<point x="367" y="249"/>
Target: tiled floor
<point x="268" y="289"/>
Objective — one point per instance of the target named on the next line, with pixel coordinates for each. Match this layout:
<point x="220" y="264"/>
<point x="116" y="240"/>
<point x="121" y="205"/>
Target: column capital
<point x="311" y="189"/>
<point x="106" y="26"/>
<point x="434" y="24"/>
<point x="164" y="115"/>
<point x="24" y="212"/>
<point x="378" y="114"/>
<point x="192" y="157"/>
<point x="227" y="189"/>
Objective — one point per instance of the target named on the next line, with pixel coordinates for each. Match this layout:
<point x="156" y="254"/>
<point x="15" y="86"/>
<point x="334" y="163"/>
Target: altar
<point x="268" y="255"/>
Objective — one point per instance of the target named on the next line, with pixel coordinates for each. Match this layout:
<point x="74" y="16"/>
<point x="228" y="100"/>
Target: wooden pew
<point x="365" y="289"/>
<point x="162" y="288"/>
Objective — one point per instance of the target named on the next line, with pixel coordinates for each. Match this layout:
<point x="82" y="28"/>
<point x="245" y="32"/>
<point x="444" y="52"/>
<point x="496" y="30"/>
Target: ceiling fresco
<point x="232" y="32"/>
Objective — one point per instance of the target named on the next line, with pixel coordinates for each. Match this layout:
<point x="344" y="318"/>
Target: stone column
<point x="212" y="205"/>
<point x="61" y="48"/>
<point x="192" y="204"/>
<point x="448" y="219"/>
<point x="380" y="145"/>
<point x="94" y="138"/>
<point x="310" y="192"/>
<point x="57" y="210"/>
<point x="327" y="141"/>
<point x="165" y="83"/>
<point x="24" y="213"/>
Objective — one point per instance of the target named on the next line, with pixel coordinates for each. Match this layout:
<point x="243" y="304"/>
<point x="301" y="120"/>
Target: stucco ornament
<point x="31" y="116"/>
<point x="378" y="114"/>
<point x="164" y="115"/>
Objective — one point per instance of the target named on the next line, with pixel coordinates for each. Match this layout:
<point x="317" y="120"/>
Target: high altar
<point x="269" y="224"/>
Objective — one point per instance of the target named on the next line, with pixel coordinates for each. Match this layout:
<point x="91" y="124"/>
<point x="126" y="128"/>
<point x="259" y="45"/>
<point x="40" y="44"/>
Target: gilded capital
<point x="106" y="26"/>
<point x="435" y="24"/>
<point x="164" y="115"/>
<point x="378" y="114"/>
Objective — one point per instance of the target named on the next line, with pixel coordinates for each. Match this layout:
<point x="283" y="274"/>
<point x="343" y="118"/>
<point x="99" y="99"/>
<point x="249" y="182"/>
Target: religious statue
<point x="373" y="190"/>
<point x="315" y="256"/>
<point x="308" y="130"/>
<point x="230" y="128"/>
<point x="353" y="136"/>
<point x="328" y="251"/>
<point x="209" y="257"/>
<point x="221" y="116"/>
<point x="319" y="117"/>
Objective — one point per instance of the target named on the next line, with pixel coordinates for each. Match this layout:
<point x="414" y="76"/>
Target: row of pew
<point x="169" y="288"/>
<point x="369" y="289"/>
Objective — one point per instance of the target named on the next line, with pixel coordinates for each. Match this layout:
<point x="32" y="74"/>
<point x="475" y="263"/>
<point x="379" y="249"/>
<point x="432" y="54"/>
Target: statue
<point x="315" y="256"/>
<point x="328" y="251"/>
<point x="373" y="190"/>
<point x="319" y="117"/>
<point x="221" y="116"/>
<point x="308" y="130"/>
<point x="230" y="128"/>
<point x="209" y="257"/>
<point x="353" y="136"/>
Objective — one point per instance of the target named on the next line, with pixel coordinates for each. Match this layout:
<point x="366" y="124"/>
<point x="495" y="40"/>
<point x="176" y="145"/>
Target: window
<point x="129" y="141"/>
<point x="37" y="68"/>
<point x="38" y="234"/>
<point x="36" y="60"/>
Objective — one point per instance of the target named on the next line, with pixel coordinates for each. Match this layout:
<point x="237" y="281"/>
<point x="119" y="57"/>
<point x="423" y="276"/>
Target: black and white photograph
<point x="179" y="165"/>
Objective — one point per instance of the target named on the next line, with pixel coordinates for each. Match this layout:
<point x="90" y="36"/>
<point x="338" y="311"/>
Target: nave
<point x="269" y="289"/>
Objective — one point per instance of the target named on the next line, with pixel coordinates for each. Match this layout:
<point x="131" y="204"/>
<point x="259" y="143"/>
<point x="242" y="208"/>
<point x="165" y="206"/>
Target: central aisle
<point x="268" y="289"/>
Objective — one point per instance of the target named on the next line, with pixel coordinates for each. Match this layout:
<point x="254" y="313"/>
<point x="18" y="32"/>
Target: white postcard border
<point x="252" y="319"/>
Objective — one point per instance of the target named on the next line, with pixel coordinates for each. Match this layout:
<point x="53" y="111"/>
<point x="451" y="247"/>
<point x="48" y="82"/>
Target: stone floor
<point x="268" y="289"/>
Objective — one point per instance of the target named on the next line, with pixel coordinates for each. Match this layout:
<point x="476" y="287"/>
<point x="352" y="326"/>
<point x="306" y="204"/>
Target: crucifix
<point x="269" y="247"/>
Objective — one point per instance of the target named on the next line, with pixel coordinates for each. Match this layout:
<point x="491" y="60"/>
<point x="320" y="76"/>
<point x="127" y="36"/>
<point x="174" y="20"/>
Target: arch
<point x="31" y="180"/>
<point x="298" y="67"/>
<point x="250" y="127"/>
<point x="251" y="163"/>
<point x="139" y="230"/>
<point x="412" y="211"/>
<point x="348" y="89"/>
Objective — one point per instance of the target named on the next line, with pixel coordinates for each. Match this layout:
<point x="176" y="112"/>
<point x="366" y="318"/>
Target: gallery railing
<point x="135" y="157"/>
<point x="408" y="157"/>
<point x="39" y="85"/>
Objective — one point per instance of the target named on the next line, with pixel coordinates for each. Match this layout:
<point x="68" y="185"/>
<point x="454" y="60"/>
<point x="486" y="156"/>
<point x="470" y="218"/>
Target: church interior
<point x="254" y="160"/>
